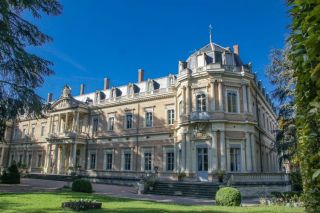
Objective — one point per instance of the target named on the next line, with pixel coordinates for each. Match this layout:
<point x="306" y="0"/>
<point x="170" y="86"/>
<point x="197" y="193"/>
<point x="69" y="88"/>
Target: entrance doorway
<point x="202" y="163"/>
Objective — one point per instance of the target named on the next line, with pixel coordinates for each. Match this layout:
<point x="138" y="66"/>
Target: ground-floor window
<point x="29" y="160"/>
<point x="108" y="160"/>
<point x="170" y="160"/>
<point x="235" y="159"/>
<point x="92" y="161"/>
<point x="127" y="160"/>
<point x="39" y="162"/>
<point x="147" y="161"/>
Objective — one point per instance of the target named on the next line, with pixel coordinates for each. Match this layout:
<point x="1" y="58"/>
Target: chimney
<point x="49" y="99"/>
<point x="236" y="49"/>
<point x="140" y="75"/>
<point x="106" y="83"/>
<point x="81" y="89"/>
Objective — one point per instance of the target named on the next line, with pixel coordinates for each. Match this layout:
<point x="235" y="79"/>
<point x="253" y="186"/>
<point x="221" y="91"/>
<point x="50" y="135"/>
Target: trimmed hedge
<point x="11" y="176"/>
<point x="228" y="196"/>
<point x="81" y="185"/>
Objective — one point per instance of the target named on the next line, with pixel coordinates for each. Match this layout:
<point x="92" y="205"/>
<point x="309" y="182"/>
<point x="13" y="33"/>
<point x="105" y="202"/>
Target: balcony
<point x="200" y="116"/>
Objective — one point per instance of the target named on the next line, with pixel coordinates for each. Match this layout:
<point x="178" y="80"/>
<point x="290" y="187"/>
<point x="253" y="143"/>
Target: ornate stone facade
<point x="213" y="115"/>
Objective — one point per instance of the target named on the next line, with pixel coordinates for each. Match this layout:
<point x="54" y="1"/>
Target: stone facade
<point x="212" y="115"/>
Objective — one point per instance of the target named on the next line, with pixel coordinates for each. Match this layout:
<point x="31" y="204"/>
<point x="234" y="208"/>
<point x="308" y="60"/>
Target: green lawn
<point x="51" y="202"/>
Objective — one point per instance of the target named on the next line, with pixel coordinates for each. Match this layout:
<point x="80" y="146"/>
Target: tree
<point x="21" y="72"/>
<point x="281" y="75"/>
<point x="305" y="57"/>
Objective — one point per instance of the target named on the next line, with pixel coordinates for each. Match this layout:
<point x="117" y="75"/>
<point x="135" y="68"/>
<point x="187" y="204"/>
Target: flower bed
<point x="82" y="204"/>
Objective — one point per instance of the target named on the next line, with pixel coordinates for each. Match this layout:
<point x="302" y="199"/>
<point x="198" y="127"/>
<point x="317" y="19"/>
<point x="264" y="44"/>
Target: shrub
<point x="228" y="196"/>
<point x="11" y="176"/>
<point x="296" y="181"/>
<point x="81" y="185"/>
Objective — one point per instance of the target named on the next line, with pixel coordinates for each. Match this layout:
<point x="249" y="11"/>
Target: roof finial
<point x="210" y="32"/>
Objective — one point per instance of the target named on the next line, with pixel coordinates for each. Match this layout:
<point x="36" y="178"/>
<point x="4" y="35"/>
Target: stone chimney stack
<point x="81" y="89"/>
<point x="49" y="99"/>
<point x="140" y="75"/>
<point x="236" y="49"/>
<point x="106" y="83"/>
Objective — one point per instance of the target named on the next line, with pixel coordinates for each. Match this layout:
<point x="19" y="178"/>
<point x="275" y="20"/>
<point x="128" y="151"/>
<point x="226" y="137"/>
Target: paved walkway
<point x="31" y="185"/>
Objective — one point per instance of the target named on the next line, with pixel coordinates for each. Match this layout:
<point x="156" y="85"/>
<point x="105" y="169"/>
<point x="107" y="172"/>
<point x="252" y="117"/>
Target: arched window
<point x="201" y="103"/>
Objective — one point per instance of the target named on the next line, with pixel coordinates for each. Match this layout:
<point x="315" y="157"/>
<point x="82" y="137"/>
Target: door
<point x="202" y="163"/>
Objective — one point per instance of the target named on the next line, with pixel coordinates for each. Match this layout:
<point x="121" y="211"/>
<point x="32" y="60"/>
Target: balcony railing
<point x="199" y="116"/>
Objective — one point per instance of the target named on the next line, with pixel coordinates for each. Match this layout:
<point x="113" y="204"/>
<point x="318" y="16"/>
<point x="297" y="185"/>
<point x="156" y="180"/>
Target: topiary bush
<point x="228" y="196"/>
<point x="81" y="185"/>
<point x="11" y="176"/>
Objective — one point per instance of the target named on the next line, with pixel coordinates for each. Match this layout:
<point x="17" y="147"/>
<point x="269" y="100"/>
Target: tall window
<point x="180" y="108"/>
<point x="95" y="124"/>
<point x="201" y="103"/>
<point x="170" y="113"/>
<point x="127" y="160"/>
<point x="29" y="160"/>
<point x="39" y="163"/>
<point x="33" y="128"/>
<point x="232" y="101"/>
<point x="109" y="160"/>
<point x="170" y="161"/>
<point x="92" y="160"/>
<point x="24" y="131"/>
<point x="111" y="123"/>
<point x="147" y="161"/>
<point x="129" y="120"/>
<point x="235" y="162"/>
<point x="149" y="119"/>
<point x="43" y="126"/>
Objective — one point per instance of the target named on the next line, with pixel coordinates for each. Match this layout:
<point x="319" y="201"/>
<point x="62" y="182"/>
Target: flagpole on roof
<point x="210" y="38"/>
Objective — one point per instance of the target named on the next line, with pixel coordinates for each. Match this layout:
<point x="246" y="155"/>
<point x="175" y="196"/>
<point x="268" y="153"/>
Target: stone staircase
<point x="186" y="189"/>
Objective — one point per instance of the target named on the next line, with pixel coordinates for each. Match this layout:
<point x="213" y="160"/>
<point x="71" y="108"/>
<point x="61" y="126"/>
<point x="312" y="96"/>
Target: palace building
<point x="212" y="115"/>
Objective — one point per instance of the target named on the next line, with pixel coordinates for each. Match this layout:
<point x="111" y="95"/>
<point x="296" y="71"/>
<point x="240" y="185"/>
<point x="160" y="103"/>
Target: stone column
<point x="249" y="100"/>
<point x="220" y="96"/>
<point x="253" y="153"/>
<point x="56" y="159"/>
<point x="188" y="153"/>
<point x="214" y="151"/>
<point x="176" y="156"/>
<point x="183" y="152"/>
<point x="74" y="155"/>
<point x="244" y="98"/>
<point x="2" y="156"/>
<point x="74" y="121"/>
<point x="50" y="124"/>
<point x="66" y="123"/>
<point x="59" y="123"/>
<point x="184" y="100"/>
<point x="223" y="151"/>
<point x="77" y="121"/>
<point x="47" y="162"/>
<point x="188" y="97"/>
<point x="62" y="163"/>
<point x="213" y="101"/>
<point x="248" y="152"/>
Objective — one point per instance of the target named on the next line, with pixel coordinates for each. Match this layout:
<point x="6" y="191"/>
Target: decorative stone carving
<point x="66" y="92"/>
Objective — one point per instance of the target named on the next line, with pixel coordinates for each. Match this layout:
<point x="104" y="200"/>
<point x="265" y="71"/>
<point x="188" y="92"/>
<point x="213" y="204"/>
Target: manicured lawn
<point x="51" y="202"/>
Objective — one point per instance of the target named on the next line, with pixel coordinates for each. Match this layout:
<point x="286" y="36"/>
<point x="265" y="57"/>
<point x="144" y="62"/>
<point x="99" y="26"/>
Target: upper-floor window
<point x="95" y="124"/>
<point x="180" y="108"/>
<point x="33" y="129"/>
<point x="232" y="101"/>
<point x="43" y="126"/>
<point x="149" y="119"/>
<point x="129" y="120"/>
<point x="24" y="131"/>
<point x="201" y="103"/>
<point x="111" y="123"/>
<point x="170" y="113"/>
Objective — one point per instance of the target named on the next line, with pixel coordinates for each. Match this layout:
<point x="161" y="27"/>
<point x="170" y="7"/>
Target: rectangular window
<point x="235" y="156"/>
<point x="95" y="124"/>
<point x="170" y="113"/>
<point x="39" y="162"/>
<point x="147" y="161"/>
<point x="92" y="160"/>
<point x="109" y="161"/>
<point x="33" y="128"/>
<point x="111" y="123"/>
<point x="129" y="120"/>
<point x="170" y="161"/>
<point x="43" y="126"/>
<point x="149" y="119"/>
<point x="180" y="108"/>
<point x="232" y="101"/>
<point x="24" y="131"/>
<point x="127" y="160"/>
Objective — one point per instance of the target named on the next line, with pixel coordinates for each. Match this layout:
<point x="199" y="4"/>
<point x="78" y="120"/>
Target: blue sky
<point x="95" y="39"/>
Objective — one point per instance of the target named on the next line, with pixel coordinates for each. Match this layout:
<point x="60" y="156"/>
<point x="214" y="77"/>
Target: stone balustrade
<point x="258" y="177"/>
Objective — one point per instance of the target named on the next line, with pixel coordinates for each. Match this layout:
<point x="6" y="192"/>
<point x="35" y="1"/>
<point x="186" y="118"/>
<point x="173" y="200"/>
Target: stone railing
<point x="199" y="116"/>
<point x="258" y="177"/>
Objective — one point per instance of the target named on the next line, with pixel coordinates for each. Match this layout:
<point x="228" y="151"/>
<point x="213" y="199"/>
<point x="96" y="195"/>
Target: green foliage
<point x="296" y="181"/>
<point x="81" y="185"/>
<point x="21" y="71"/>
<point x="11" y="176"/>
<point x="305" y="56"/>
<point x="228" y="196"/>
